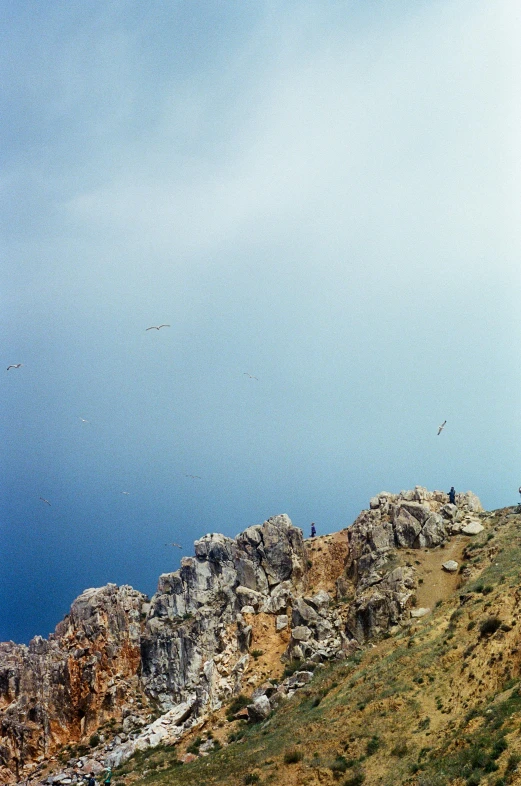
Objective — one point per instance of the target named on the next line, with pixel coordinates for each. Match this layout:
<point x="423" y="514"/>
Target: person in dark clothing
<point x="91" y="781"/>
<point x="313" y="530"/>
<point x="452" y="496"/>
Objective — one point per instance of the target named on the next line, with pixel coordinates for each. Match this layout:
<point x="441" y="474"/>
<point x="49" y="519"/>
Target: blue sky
<point x="323" y="195"/>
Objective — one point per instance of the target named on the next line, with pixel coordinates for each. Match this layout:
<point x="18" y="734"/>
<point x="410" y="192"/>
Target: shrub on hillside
<point x="356" y="779"/>
<point x="372" y="745"/>
<point x="293" y="756"/>
<point x="339" y="765"/>
<point x="489" y="626"/>
<point x="238" y="703"/>
<point x="291" y="667"/>
<point x="400" y="749"/>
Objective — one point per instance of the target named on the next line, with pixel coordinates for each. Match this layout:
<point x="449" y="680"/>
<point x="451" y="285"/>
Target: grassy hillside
<point x="437" y="702"/>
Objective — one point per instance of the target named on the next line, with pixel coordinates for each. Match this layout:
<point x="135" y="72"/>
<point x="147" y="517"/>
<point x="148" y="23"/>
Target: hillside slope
<point x="437" y="702"/>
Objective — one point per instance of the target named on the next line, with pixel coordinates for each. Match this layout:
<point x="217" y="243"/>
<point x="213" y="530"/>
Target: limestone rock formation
<point x="58" y="690"/>
<point x="411" y="519"/>
<point x="196" y="611"/>
<point x="181" y="654"/>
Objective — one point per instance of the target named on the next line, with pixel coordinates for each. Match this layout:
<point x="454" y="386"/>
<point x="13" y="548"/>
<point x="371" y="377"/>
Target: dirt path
<point x="437" y="583"/>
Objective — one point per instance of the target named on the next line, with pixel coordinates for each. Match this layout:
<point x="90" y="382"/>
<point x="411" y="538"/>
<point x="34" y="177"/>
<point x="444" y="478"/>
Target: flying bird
<point x="174" y="544"/>
<point x="156" y="327"/>
<point x="440" y="429"/>
<point x="84" y="421"/>
<point x="193" y="477"/>
<point x="127" y="493"/>
<point x="15" y="365"/>
<point x="46" y="501"/>
<point x="250" y="376"/>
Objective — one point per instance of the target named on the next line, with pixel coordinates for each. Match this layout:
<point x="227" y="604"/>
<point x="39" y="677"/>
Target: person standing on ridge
<point x="452" y="496"/>
<point x="313" y="530"/>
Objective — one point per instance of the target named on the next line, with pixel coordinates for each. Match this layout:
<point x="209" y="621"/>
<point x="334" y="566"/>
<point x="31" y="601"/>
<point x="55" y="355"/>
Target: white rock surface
<point x="417" y="613"/>
<point x="474" y="528"/>
<point x="450" y="566"/>
<point x="281" y="622"/>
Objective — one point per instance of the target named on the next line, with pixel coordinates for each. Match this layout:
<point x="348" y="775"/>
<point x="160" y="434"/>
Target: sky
<point x="320" y="198"/>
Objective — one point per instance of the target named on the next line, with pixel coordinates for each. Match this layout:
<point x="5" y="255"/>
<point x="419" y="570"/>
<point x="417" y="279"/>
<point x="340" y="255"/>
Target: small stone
<point x="186" y="758"/>
<point x="301" y="633"/>
<point x="281" y="622"/>
<point x="450" y="566"/>
<point x="474" y="528"/>
<point x="299" y="679"/>
<point x="297" y="652"/>
<point x="259" y="710"/>
<point x="416" y="613"/>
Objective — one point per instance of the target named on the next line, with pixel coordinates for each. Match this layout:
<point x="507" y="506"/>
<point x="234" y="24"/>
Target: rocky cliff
<point x="122" y="672"/>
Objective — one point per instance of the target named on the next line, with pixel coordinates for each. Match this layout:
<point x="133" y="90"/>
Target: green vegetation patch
<point x="479" y="757"/>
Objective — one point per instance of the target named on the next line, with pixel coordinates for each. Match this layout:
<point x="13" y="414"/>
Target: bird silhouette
<point x="440" y="429"/>
<point x="46" y="501"/>
<point x="174" y="544"/>
<point x="15" y="365"/>
<point x="84" y="421"/>
<point x="156" y="327"/>
<point x="193" y="477"/>
<point x="250" y="376"/>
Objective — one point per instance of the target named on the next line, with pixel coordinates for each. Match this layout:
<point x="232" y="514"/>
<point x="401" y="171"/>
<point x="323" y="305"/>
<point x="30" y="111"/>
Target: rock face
<point x="412" y="519"/>
<point x="117" y="650"/>
<point x="196" y="611"/>
<point x="58" y="690"/>
<point x="119" y="655"/>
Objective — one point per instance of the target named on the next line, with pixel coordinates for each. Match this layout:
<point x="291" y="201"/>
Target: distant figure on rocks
<point x="91" y="781"/>
<point x="108" y="776"/>
<point x="452" y="496"/>
<point x="313" y="530"/>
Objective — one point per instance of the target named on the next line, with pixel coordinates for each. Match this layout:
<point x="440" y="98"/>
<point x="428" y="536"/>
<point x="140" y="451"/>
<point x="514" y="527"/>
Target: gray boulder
<point x="301" y="633"/>
<point x="259" y="710"/>
<point x="433" y="532"/>
<point x="451" y="566"/>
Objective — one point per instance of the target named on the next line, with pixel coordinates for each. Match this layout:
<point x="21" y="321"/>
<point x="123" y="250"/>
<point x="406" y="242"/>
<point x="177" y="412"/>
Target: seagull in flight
<point x="127" y="493"/>
<point x="15" y="365"/>
<point x="156" y="327"/>
<point x="84" y="421"/>
<point x="46" y="501"/>
<point x="193" y="477"/>
<point x="440" y="428"/>
<point x="174" y="544"/>
<point x="250" y="376"/>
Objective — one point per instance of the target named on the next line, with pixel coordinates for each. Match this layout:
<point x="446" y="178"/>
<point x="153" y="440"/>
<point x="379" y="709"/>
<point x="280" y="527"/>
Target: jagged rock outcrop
<point x="117" y="650"/>
<point x="58" y="690"/>
<point x="186" y="650"/>
<point x="412" y="519"/>
<point x="196" y="611"/>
